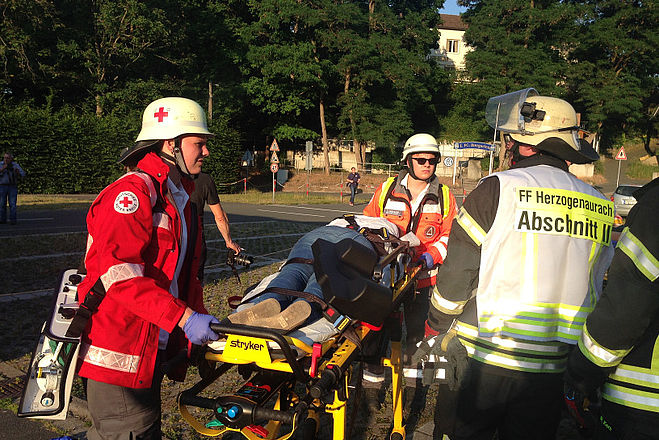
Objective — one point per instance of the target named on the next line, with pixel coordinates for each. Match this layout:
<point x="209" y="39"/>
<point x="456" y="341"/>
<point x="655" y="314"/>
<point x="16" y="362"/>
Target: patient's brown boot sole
<point x="257" y="313"/>
<point x="290" y="318"/>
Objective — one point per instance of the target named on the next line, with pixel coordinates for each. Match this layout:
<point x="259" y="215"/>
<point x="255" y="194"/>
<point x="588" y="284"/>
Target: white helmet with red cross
<point x="168" y="118"/>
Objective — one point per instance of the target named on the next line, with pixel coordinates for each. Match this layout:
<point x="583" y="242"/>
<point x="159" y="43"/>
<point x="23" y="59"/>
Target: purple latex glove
<point x="197" y="328"/>
<point x="426" y="260"/>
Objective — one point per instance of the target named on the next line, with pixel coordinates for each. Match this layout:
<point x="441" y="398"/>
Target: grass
<point x="286" y="198"/>
<point x="55" y="201"/>
<point x="82" y="201"/>
<point x="637" y="170"/>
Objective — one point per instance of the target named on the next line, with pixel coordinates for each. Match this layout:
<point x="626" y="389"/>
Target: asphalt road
<point x="73" y="220"/>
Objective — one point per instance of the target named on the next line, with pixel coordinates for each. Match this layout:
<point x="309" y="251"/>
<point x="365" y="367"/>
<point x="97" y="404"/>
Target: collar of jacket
<point x="541" y="159"/>
<point x="639" y="193"/>
<point x="156" y="167"/>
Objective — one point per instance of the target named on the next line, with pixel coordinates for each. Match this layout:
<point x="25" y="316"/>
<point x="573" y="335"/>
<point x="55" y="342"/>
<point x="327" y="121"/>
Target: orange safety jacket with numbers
<point x="431" y="222"/>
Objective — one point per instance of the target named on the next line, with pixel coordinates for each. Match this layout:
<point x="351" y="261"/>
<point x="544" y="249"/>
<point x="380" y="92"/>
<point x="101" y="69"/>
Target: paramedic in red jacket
<point x="416" y="202"/>
<point x="142" y="251"/>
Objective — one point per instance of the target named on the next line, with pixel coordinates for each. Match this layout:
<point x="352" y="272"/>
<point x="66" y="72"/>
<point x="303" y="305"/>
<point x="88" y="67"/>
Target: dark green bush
<point x="65" y="152"/>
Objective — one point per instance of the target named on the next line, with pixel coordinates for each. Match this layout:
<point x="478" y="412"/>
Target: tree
<point x="382" y="56"/>
<point x="286" y="69"/>
<point x="104" y="43"/>
<point x="616" y="52"/>
<point x="27" y="48"/>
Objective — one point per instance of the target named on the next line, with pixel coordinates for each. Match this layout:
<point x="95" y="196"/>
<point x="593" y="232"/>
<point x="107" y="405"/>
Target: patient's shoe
<point x="255" y="314"/>
<point x="289" y="318"/>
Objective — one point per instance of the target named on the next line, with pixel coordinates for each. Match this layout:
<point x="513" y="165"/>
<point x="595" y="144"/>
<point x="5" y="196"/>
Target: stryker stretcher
<point x="318" y="358"/>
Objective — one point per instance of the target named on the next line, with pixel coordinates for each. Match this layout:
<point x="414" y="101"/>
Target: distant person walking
<point x="353" y="182"/>
<point x="205" y="192"/>
<point x="10" y="173"/>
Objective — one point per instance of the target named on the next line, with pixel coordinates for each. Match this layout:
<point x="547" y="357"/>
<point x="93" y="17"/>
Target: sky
<point x="450" y="7"/>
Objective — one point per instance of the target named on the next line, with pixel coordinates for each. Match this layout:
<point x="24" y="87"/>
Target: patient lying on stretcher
<point x="276" y="310"/>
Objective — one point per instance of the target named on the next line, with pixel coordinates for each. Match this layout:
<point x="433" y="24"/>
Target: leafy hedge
<point x="65" y="152"/>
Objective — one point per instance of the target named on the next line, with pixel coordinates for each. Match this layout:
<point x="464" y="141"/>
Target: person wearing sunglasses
<point x="416" y="202"/>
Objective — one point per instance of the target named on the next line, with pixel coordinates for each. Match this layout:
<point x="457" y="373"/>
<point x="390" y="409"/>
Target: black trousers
<point x="624" y="423"/>
<point x="516" y="405"/>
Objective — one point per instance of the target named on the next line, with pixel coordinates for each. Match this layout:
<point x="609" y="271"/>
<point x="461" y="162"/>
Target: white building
<point x="452" y="47"/>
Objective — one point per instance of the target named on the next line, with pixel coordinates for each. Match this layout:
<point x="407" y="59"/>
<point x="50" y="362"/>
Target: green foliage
<point x="637" y="170"/>
<point x="271" y="64"/>
<point x="62" y="151"/>
<point x="225" y="153"/>
<point x="598" y="167"/>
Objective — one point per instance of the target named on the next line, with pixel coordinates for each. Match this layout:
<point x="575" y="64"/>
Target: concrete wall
<point x="585" y="170"/>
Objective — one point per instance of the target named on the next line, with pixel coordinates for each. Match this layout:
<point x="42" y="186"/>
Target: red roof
<point x="453" y="22"/>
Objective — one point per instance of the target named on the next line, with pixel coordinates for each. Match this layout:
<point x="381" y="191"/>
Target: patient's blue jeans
<point x="300" y="276"/>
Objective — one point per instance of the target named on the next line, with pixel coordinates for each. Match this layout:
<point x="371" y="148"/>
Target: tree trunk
<point x="356" y="145"/>
<point x="323" y="129"/>
<point x="503" y="161"/>
<point x="210" y="100"/>
<point x="648" y="133"/>
<point x="99" y="107"/>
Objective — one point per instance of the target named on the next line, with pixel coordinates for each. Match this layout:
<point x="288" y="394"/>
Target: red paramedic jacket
<point x="133" y="247"/>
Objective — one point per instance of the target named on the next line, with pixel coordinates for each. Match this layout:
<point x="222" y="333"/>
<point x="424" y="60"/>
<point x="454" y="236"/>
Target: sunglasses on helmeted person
<point x="423" y="160"/>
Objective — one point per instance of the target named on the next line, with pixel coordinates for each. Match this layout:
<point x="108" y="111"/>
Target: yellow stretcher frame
<point x="311" y="404"/>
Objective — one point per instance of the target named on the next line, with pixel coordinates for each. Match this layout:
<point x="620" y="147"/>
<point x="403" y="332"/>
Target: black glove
<point x="448" y="346"/>
<point x="580" y="407"/>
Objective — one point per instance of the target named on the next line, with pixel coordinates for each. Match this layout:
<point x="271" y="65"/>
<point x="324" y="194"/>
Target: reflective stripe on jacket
<point x="529" y="251"/>
<point x="431" y="223"/>
<point x="622" y="333"/>
<point x="133" y="248"/>
<point x="543" y="260"/>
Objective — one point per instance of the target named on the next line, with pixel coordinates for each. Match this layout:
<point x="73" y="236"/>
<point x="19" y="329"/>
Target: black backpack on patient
<point x="344" y="271"/>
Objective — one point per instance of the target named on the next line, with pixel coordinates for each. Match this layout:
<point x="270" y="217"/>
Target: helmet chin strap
<point x="410" y="170"/>
<point x="178" y="160"/>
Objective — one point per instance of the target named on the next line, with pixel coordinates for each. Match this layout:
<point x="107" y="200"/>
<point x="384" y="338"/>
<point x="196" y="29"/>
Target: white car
<point x="623" y="200"/>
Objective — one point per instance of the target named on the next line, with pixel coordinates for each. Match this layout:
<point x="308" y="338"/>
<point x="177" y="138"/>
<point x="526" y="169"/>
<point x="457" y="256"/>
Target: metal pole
<point x="494" y="139"/>
<point x="341" y="185"/>
<point x="455" y="163"/>
<point x="308" y="172"/>
<point x="618" y="178"/>
<point x="274" y="182"/>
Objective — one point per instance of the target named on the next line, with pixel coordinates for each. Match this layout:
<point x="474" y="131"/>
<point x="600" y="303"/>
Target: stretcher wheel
<point x="309" y="428"/>
<point x="396" y="436"/>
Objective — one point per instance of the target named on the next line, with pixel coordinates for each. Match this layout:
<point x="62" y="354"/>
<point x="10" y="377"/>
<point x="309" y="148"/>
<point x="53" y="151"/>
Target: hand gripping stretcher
<point x="291" y="380"/>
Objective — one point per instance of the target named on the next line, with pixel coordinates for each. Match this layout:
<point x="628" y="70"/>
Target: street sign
<point x="473" y="145"/>
<point x="621" y="154"/>
<point x="448" y="161"/>
<point x="274" y="167"/>
<point x="274" y="158"/>
<point x="274" y="146"/>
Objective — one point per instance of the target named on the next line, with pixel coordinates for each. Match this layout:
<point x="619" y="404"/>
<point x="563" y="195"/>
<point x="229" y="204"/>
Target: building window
<point x="452" y="46"/>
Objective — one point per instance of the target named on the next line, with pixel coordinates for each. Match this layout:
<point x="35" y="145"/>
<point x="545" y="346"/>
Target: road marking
<point x="319" y="209"/>
<point x="296" y="213"/>
<point x="258" y="237"/>
<point x="36" y="219"/>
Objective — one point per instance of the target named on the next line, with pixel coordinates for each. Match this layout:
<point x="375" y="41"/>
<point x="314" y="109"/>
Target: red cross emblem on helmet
<point x="161" y="114"/>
